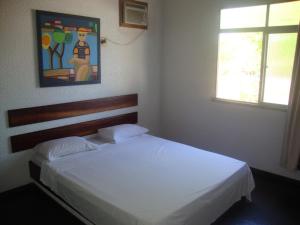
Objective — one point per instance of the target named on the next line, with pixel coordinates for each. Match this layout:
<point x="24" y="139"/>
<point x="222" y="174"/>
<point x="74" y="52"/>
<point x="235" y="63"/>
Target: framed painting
<point x="68" y="49"/>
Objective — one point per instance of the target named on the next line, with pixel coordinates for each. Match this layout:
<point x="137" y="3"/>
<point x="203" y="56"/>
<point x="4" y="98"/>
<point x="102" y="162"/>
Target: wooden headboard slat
<point x="29" y="140"/>
<point x="39" y="114"/>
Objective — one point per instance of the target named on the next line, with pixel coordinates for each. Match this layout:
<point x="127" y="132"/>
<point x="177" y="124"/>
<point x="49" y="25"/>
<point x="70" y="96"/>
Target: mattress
<point x="149" y="181"/>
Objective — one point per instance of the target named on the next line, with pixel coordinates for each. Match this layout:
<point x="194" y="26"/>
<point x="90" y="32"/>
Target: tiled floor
<point x="274" y="203"/>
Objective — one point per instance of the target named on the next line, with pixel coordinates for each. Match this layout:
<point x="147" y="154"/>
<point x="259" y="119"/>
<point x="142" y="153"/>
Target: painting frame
<point x="82" y="68"/>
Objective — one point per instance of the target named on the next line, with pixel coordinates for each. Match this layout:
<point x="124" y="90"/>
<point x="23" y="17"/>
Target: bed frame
<point x="35" y="172"/>
<point x="39" y="114"/>
<point x="24" y="116"/>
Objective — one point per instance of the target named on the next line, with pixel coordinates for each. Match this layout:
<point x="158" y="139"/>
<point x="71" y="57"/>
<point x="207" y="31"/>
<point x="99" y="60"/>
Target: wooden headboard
<point x="44" y="113"/>
<point x="18" y="117"/>
<point x="29" y="140"/>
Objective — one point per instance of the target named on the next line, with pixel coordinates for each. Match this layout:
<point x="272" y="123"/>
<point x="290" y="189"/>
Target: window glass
<point x="280" y="60"/>
<point x="243" y="62"/>
<point x="254" y="16"/>
<point x="283" y="14"/>
<point x="239" y="66"/>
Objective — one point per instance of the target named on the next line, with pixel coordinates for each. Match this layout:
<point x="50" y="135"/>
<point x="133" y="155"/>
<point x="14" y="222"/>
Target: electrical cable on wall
<point x="124" y="43"/>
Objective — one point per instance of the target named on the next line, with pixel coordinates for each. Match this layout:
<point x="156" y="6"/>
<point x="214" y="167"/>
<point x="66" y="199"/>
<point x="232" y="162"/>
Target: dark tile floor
<point x="274" y="203"/>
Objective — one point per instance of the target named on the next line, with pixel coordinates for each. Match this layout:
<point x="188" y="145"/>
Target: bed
<point x="148" y="181"/>
<point x="145" y="180"/>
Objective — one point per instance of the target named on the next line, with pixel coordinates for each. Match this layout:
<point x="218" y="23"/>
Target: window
<point x="256" y="53"/>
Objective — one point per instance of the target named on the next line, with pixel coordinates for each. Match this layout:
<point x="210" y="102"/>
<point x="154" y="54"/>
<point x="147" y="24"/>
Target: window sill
<point x="270" y="106"/>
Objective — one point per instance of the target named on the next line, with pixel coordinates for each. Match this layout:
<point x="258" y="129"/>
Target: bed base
<point x="35" y="172"/>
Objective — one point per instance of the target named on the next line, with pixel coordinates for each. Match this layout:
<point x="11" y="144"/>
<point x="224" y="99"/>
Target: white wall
<point x="188" y="78"/>
<point x="189" y="115"/>
<point x="125" y="69"/>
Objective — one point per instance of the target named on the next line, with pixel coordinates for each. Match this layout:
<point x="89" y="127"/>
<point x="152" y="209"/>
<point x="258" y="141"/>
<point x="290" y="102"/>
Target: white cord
<point x="126" y="43"/>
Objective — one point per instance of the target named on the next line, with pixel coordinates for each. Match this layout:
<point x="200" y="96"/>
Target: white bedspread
<point x="149" y="181"/>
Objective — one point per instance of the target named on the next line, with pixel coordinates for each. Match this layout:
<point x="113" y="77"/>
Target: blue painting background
<point x="68" y="54"/>
<point x="91" y="40"/>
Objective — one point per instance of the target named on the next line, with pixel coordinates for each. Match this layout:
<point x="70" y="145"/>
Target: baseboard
<point x="275" y="177"/>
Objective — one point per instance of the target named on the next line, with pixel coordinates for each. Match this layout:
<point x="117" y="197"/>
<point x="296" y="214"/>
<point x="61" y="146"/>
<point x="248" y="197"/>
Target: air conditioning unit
<point x="133" y="14"/>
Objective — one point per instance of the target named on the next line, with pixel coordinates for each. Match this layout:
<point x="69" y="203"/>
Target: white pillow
<point x="121" y="132"/>
<point x="58" y="148"/>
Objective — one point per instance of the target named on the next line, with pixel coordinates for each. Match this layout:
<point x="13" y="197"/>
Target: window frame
<point x="266" y="31"/>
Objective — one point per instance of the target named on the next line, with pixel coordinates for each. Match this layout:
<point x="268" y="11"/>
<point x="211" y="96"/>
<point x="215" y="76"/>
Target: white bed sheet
<point x="149" y="181"/>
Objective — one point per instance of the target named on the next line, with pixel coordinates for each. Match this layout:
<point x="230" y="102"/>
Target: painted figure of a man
<point x="81" y="56"/>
